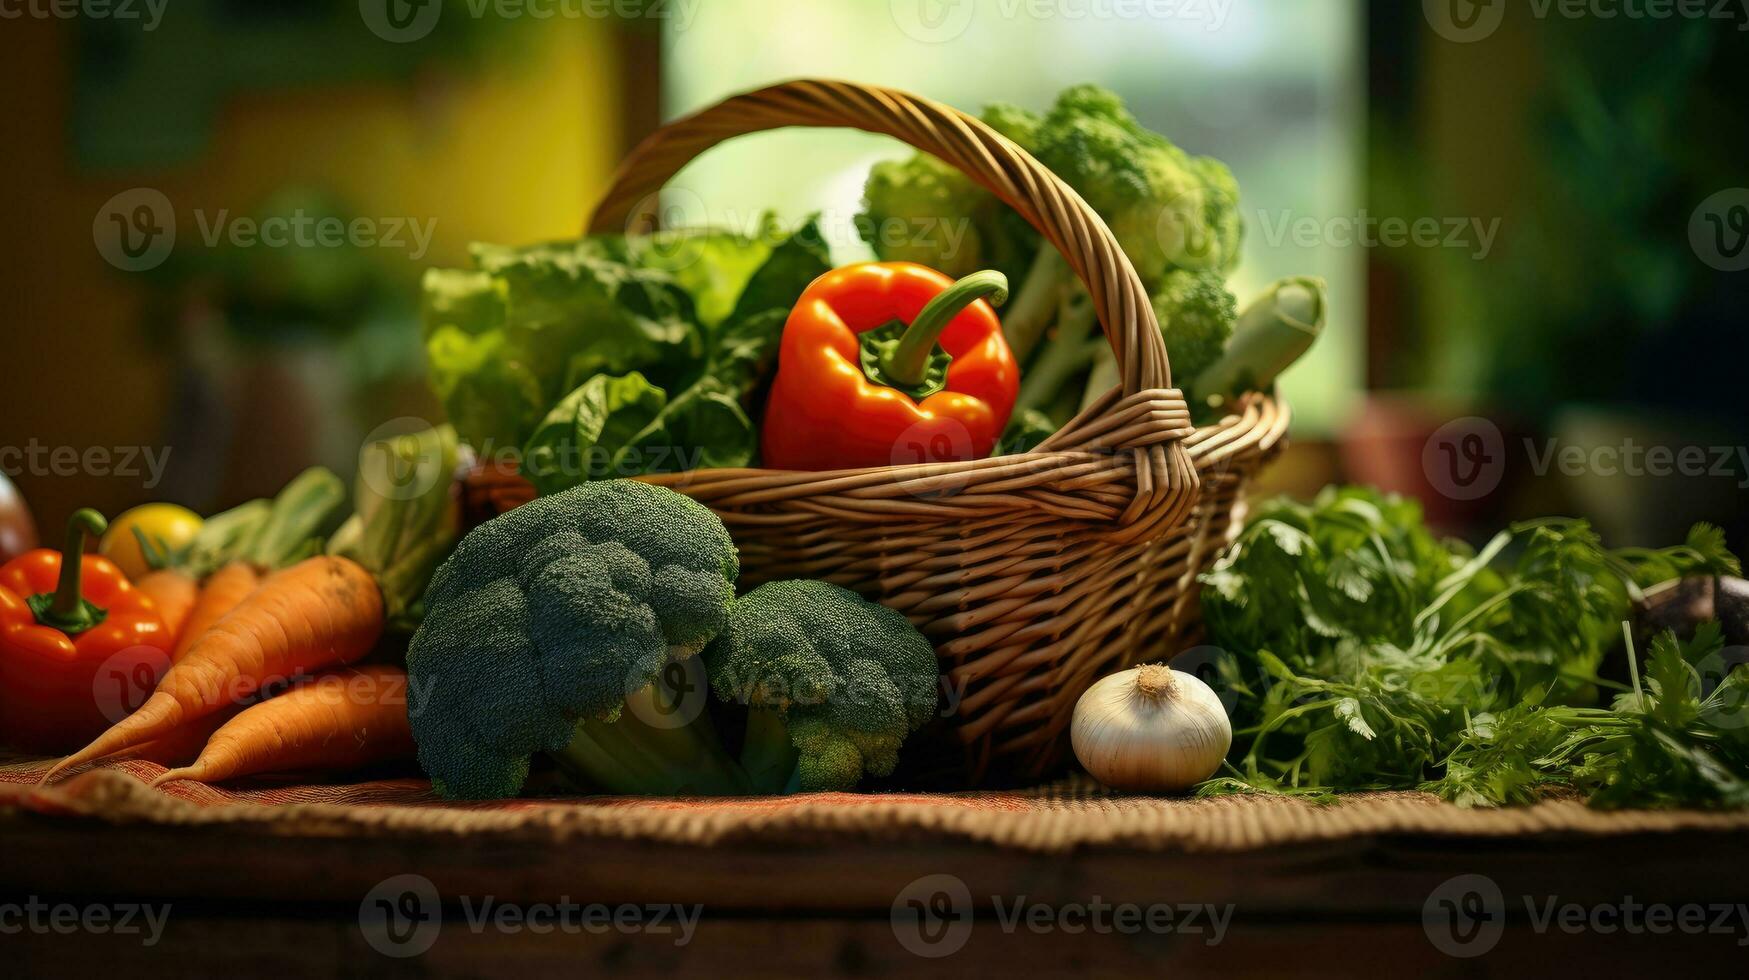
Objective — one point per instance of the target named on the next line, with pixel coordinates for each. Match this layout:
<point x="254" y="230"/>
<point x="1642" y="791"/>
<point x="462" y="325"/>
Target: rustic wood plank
<point x="1360" y="876"/>
<point x="307" y="945"/>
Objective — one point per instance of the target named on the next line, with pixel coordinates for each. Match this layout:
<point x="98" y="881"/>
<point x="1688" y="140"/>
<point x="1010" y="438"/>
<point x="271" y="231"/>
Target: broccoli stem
<point x="1070" y="352"/>
<point x="1034" y="307"/>
<point x="768" y="756"/>
<point x="631" y="757"/>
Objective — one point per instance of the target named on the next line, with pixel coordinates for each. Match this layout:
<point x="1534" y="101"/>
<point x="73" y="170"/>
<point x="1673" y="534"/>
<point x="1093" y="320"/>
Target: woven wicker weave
<point x="1032" y="574"/>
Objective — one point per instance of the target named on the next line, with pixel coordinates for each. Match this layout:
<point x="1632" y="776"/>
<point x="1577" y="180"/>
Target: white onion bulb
<point x="1150" y="729"/>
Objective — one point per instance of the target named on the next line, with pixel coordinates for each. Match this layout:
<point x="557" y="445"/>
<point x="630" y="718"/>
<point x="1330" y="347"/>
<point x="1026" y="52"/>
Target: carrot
<point x="174" y="592"/>
<point x="181" y="746"/>
<point x="221" y="593"/>
<point x="321" y="612"/>
<point x="340" y="721"/>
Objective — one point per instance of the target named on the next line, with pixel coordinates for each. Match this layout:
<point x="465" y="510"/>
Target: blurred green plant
<point x="1596" y="294"/>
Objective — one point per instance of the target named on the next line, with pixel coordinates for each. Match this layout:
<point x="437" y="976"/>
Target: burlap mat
<point x="1061" y="817"/>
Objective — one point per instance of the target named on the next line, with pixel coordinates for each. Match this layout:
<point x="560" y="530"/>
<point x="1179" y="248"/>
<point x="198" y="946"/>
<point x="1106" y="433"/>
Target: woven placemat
<point x="1061" y="817"/>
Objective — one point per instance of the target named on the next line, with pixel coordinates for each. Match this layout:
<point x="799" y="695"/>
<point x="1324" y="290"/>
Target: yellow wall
<point x="512" y="154"/>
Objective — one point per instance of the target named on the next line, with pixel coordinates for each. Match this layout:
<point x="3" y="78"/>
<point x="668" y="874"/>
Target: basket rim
<point x="964" y="142"/>
<point x="1259" y="422"/>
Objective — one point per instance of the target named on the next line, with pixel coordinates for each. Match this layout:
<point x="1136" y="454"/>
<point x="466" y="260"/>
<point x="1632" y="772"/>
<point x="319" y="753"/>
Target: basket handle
<point x="1006" y="170"/>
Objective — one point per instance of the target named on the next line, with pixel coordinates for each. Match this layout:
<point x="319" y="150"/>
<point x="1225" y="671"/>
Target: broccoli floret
<point x="1165" y="207"/>
<point x="1018" y="125"/>
<point x="546" y="619"/>
<point x="910" y="205"/>
<point x="834" y="683"/>
<point x="922" y="210"/>
<point x="1196" y="313"/>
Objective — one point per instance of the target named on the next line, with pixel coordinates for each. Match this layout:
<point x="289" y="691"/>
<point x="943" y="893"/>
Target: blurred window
<point x="1273" y="88"/>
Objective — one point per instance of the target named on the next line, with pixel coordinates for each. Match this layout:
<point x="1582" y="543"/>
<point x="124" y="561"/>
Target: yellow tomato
<point x="167" y="526"/>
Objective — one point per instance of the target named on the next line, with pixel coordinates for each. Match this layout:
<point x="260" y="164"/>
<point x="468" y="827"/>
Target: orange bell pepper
<point x="79" y="646"/>
<point x="890" y="363"/>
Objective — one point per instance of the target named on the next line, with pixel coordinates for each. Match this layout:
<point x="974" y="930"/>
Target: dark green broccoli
<point x="549" y="616"/>
<point x="570" y="626"/>
<point x="833" y="683"/>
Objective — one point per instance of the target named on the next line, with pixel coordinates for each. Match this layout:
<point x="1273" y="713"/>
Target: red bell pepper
<point x="861" y="381"/>
<point x="79" y="646"/>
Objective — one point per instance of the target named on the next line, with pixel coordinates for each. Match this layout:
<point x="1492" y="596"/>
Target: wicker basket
<point x="1035" y="574"/>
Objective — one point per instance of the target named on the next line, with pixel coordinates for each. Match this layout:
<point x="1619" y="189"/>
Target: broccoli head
<point x="834" y="684"/>
<point x="1196" y="313"/>
<point x="1019" y="125"/>
<point x="1167" y="208"/>
<point x="551" y="615"/>
<point x="920" y="209"/>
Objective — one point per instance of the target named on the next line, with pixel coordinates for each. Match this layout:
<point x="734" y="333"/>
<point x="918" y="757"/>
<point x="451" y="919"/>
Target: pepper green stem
<point x="69" y="612"/>
<point x="908" y="362"/>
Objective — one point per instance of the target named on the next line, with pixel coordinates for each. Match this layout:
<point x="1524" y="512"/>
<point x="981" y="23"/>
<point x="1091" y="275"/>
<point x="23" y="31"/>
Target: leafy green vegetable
<point x="528" y="327"/>
<point x="1025" y="431"/>
<point x="405" y="518"/>
<point x="1363" y="653"/>
<point x="626" y="425"/>
<point x="590" y="432"/>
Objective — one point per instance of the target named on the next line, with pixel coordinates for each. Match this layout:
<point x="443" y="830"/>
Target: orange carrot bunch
<point x="275" y="609"/>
